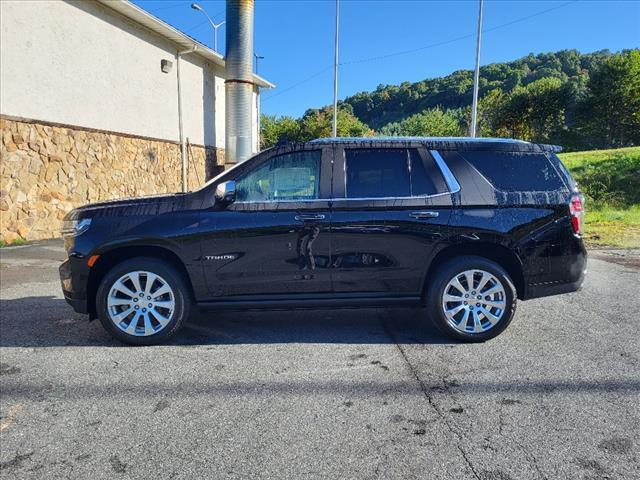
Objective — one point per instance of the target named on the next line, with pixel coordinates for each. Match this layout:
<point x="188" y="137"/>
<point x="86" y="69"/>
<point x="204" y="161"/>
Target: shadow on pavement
<point x="47" y="321"/>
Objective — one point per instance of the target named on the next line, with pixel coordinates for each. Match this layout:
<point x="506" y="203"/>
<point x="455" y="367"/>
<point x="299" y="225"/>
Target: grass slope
<point x="610" y="180"/>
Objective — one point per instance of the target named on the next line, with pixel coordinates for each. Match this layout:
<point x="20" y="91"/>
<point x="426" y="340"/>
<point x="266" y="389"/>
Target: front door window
<point x="292" y="176"/>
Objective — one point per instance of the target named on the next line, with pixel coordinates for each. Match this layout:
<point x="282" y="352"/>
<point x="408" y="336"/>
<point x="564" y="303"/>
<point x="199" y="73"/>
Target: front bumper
<point x="73" y="279"/>
<point x="79" y="305"/>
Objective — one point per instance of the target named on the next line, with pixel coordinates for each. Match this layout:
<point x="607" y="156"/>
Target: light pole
<point x="476" y="77"/>
<point x="335" y="74"/>
<point x="195" y="6"/>
<point x="257" y="57"/>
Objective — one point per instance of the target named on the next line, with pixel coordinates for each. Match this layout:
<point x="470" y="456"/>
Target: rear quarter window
<point x="571" y="183"/>
<point x="516" y="171"/>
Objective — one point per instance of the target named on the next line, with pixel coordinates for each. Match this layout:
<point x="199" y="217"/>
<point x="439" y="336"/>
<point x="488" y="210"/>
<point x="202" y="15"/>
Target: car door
<point x="275" y="237"/>
<point x="390" y="211"/>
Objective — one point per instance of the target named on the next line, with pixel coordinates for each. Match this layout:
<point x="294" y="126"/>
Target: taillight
<point x="576" y="209"/>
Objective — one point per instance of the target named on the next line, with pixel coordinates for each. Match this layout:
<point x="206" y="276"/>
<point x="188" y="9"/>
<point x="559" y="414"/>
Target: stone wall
<point x="48" y="169"/>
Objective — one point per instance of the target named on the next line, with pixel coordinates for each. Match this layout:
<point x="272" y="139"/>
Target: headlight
<point x="73" y="228"/>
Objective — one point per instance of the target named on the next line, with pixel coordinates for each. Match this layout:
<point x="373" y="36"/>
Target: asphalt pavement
<point x="321" y="394"/>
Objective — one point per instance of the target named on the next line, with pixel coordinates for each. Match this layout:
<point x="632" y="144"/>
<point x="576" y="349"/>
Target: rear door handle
<point x="424" y="214"/>
<point x="305" y="217"/>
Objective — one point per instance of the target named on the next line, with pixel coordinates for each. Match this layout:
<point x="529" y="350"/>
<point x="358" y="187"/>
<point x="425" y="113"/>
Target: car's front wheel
<point x="471" y="299"/>
<point x="143" y="301"/>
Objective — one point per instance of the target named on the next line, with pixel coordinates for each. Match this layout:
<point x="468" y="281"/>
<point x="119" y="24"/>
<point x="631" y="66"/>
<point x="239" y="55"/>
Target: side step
<point x="307" y="302"/>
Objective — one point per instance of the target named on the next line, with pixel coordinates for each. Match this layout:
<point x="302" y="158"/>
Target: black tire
<point x="449" y="270"/>
<point x="179" y="290"/>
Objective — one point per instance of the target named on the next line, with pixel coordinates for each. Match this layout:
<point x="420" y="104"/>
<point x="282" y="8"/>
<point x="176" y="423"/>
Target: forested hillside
<point x="392" y="103"/>
<point x="580" y="101"/>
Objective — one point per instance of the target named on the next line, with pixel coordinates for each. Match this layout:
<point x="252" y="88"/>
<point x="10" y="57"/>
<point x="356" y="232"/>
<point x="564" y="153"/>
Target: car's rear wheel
<point x="143" y="301"/>
<point x="471" y="299"/>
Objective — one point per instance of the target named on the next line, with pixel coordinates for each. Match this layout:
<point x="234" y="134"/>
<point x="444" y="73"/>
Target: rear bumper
<point x="548" y="289"/>
<point x="569" y="276"/>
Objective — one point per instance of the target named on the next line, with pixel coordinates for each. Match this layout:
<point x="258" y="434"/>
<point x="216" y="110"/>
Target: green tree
<point x="274" y="129"/>
<point x="318" y="123"/>
<point x="315" y="123"/>
<point x="609" y="115"/>
<point x="431" y="123"/>
<point x="535" y="112"/>
<point x="547" y="99"/>
<point x="490" y="108"/>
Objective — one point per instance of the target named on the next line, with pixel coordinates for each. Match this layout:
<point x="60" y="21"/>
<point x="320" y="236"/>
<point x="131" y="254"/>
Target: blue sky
<point x="296" y="39"/>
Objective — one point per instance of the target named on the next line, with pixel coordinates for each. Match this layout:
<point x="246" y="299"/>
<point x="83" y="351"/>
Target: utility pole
<point x="335" y="74"/>
<point x="476" y="79"/>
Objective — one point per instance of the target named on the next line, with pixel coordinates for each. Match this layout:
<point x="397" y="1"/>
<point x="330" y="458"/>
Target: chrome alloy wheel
<point x="474" y="301"/>
<point x="140" y="303"/>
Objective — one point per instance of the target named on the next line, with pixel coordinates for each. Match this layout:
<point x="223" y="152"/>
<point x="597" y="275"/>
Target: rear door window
<point x="390" y="172"/>
<point x="377" y="172"/>
<point x="515" y="171"/>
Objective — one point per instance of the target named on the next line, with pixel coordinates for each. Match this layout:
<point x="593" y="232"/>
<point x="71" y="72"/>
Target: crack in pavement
<point x="532" y="460"/>
<point x="432" y="404"/>
<point x="531" y="457"/>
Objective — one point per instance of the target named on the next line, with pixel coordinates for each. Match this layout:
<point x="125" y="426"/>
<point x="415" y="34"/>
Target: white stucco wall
<point x="82" y="64"/>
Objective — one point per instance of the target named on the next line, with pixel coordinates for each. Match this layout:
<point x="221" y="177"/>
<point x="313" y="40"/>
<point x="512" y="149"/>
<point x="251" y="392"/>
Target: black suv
<point x="461" y="226"/>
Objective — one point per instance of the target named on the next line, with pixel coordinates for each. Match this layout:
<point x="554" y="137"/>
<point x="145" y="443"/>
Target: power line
<point x="200" y="24"/>
<point x="405" y="52"/>
<point x="167" y="7"/>
<point x="175" y="5"/>
<point x="317" y="74"/>
<point x="425" y="47"/>
<point x="457" y="39"/>
<point x="517" y="20"/>
<point x="196" y="26"/>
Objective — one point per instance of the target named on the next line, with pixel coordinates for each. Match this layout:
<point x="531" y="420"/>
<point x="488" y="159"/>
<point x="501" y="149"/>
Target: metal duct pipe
<point x="239" y="83"/>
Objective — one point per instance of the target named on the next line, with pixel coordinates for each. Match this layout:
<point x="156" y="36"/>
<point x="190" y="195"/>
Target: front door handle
<point x="305" y="217"/>
<point x="420" y="215"/>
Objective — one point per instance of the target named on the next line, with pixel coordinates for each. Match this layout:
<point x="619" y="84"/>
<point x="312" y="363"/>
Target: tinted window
<point x="563" y="171"/>
<point x="292" y="176"/>
<point x="377" y="172"/>
<point x="516" y="171"/>
<point x="426" y="178"/>
<point x="391" y="172"/>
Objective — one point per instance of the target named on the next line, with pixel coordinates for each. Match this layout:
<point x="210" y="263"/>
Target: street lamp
<point x="257" y="57"/>
<point x="195" y="6"/>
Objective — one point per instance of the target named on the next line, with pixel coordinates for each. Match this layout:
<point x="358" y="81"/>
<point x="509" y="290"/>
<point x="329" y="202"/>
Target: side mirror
<point x="226" y="192"/>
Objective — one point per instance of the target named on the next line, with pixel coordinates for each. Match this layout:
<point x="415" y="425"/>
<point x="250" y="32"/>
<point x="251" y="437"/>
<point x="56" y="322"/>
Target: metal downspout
<point x="183" y="154"/>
